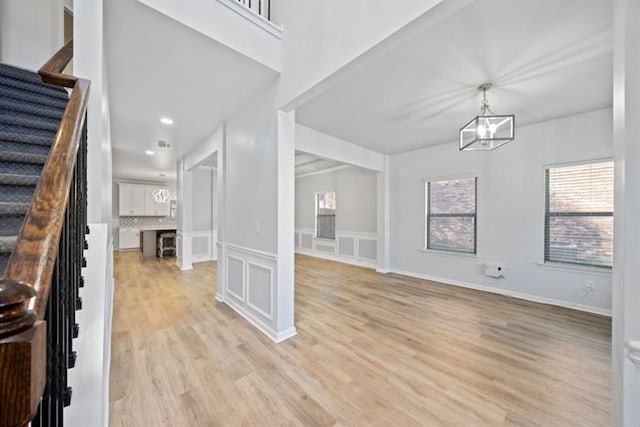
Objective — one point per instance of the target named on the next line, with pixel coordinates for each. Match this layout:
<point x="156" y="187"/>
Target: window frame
<point x="429" y="215"/>
<point x="548" y="215"/>
<point x="315" y="216"/>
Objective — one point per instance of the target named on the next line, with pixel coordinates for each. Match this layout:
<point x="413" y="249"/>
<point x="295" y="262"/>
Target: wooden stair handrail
<point x="24" y="289"/>
<point x="34" y="256"/>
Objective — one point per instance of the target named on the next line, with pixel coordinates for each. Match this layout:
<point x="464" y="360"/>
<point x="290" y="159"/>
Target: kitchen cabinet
<point x="129" y="238"/>
<point x="138" y="200"/>
<point x="131" y="199"/>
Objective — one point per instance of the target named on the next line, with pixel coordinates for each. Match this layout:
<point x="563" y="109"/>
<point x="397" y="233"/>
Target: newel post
<point x="22" y="355"/>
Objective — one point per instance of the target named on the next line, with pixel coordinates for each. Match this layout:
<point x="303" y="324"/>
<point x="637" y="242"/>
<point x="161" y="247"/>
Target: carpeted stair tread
<point x="17" y="168"/>
<point x="10" y="225"/>
<point x="18" y="95"/>
<point x="33" y="88"/>
<point x="15" y="74"/>
<point x="18" y="179"/>
<point x="30" y="115"/>
<point x="26" y="138"/>
<point x="7" y="208"/>
<point x="24" y="120"/>
<point x="24" y="148"/>
<point x="17" y="193"/>
<point x="30" y="108"/>
<point x="22" y="157"/>
<point x="38" y="132"/>
<point x="7" y="243"/>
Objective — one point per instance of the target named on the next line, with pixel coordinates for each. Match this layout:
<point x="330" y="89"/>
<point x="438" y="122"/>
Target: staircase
<point x="30" y="114"/>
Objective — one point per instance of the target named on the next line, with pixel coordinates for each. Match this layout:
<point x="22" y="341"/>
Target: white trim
<point x="441" y="252"/>
<point x="451" y="177"/>
<point x="331" y="169"/>
<point x="274" y="336"/>
<point x="508" y="293"/>
<point x="243" y="278"/>
<point x="249" y="251"/>
<point x="253" y="17"/>
<point x="577" y="163"/>
<point x="286" y="334"/>
<point x="249" y="304"/>
<point x="575" y="268"/>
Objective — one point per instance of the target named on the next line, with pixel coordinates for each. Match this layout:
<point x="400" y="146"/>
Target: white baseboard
<point x="183" y="266"/>
<point x="286" y="334"/>
<point x="274" y="335"/>
<point x="508" y="293"/>
<point x="338" y="258"/>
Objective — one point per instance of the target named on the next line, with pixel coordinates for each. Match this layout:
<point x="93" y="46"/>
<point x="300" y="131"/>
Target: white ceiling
<point x="310" y="164"/>
<point x="159" y="67"/>
<point x="546" y="59"/>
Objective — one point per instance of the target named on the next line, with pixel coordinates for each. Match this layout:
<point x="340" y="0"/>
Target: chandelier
<point x="161" y="195"/>
<point x="487" y="130"/>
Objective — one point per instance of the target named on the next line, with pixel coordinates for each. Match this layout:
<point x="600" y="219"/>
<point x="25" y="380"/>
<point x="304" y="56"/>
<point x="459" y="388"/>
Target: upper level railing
<point x="261" y="7"/>
<point x="39" y="290"/>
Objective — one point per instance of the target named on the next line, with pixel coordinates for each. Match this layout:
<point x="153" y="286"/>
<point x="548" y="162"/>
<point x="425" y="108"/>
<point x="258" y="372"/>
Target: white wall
<point x="356" y="237"/>
<point x="89" y="63"/>
<point x="322" y="36"/>
<point x="510" y="210"/>
<point x="355" y="199"/>
<point x="228" y="23"/>
<point x="252" y="172"/>
<point x="204" y="208"/>
<point x="31" y="31"/>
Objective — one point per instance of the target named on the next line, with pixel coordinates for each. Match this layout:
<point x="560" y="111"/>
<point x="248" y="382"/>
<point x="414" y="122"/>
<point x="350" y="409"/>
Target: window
<point x="579" y="214"/>
<point x="326" y="215"/>
<point x="451" y="215"/>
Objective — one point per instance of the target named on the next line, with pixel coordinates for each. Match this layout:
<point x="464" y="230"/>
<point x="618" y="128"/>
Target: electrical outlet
<point x="257" y="227"/>
<point x="589" y="287"/>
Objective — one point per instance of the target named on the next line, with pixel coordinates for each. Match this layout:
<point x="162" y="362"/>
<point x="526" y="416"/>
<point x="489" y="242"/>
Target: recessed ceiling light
<point x="166" y="121"/>
<point x="149" y="153"/>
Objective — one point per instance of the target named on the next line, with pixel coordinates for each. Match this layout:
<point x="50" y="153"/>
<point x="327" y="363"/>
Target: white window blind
<point x="579" y="214"/>
<point x="451" y="215"/>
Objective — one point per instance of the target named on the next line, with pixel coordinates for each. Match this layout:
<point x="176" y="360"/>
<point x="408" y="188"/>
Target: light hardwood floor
<point x="371" y="349"/>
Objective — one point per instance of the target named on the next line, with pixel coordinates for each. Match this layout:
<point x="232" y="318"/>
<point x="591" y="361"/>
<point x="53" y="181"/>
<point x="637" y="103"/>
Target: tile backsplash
<point x="147" y="221"/>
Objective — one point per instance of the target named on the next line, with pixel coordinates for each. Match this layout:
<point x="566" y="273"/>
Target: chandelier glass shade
<point x="161" y="195"/>
<point x="487" y="130"/>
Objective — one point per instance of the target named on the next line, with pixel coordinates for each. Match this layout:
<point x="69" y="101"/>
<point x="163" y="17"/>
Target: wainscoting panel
<point x="348" y="247"/>
<point x="203" y="246"/>
<point x="368" y="248"/>
<point x="307" y="240"/>
<point x="260" y="289"/>
<point x="235" y="278"/>
<point x="326" y="248"/>
<point x="250" y="281"/>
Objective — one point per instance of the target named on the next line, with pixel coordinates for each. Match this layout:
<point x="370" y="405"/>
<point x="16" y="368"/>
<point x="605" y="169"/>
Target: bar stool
<point x="166" y="242"/>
